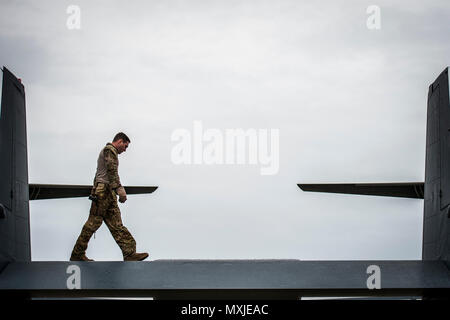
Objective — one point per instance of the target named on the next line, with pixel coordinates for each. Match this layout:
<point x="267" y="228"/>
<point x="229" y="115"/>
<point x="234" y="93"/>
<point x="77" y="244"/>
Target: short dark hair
<point x="122" y="136"/>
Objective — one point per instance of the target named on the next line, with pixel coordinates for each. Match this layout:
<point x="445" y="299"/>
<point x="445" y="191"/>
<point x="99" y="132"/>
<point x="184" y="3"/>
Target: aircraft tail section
<point x="60" y="191"/>
<point x="404" y="190"/>
<point x="14" y="209"/>
<point x="436" y="220"/>
<point x="436" y="189"/>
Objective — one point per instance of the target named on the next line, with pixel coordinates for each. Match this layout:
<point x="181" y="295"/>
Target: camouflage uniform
<point x="105" y="208"/>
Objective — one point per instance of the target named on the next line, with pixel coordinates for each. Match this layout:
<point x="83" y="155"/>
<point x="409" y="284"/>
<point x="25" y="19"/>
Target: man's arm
<point x="112" y="164"/>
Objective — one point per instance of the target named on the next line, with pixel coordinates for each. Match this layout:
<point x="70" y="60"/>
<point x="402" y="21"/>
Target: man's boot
<point x="80" y="258"/>
<point x="136" y="256"/>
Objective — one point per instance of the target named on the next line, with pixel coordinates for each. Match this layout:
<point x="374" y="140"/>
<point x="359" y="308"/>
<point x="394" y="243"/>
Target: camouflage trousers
<point x="105" y="209"/>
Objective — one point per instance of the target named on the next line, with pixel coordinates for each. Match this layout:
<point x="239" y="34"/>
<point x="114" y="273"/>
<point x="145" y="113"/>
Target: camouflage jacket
<point x="107" y="167"/>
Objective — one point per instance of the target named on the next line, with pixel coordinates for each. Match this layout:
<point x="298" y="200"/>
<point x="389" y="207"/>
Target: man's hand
<point x="122" y="194"/>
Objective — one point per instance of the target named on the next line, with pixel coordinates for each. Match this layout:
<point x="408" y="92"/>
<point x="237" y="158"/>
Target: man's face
<point x="122" y="146"/>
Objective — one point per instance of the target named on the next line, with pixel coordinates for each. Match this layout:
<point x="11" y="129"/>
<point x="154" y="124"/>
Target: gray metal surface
<point x="405" y="190"/>
<point x="269" y="278"/>
<point x="15" y="225"/>
<point x="55" y="191"/>
<point x="436" y="222"/>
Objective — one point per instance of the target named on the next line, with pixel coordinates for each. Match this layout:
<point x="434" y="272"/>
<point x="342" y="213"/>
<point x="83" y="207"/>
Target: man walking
<point x="104" y="205"/>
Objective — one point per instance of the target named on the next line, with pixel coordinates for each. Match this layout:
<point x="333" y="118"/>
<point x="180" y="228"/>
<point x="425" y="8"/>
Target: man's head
<point x="121" y="142"/>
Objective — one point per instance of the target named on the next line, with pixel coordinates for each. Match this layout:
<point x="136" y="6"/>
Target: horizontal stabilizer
<point x="56" y="191"/>
<point x="413" y="190"/>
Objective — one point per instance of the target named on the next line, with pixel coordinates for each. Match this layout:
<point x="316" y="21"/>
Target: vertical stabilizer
<point x="436" y="235"/>
<point x="14" y="210"/>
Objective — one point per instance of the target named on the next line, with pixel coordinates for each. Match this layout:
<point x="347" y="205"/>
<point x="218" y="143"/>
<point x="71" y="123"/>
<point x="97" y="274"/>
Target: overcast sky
<point x="349" y="103"/>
